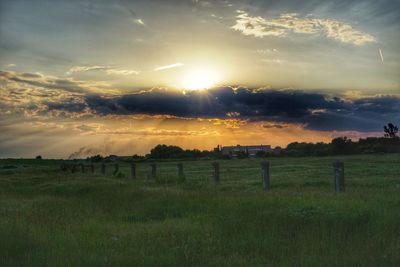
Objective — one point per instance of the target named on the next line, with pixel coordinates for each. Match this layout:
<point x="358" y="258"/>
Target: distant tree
<point x="165" y="152"/>
<point x="96" y="158"/>
<point x="390" y="130"/>
<point x="342" y="145"/>
<point x="112" y="158"/>
<point x="174" y="152"/>
<point x="136" y="156"/>
<point x="38" y="157"/>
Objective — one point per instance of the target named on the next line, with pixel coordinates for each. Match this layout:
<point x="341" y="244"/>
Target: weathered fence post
<point x="181" y="175"/>
<point x="82" y="167"/>
<point x="153" y="172"/>
<point x="133" y="170"/>
<point x="265" y="175"/>
<point x="92" y="167"/>
<point x="103" y="168"/>
<point x="116" y="168"/>
<point x="338" y="170"/>
<point x="216" y="172"/>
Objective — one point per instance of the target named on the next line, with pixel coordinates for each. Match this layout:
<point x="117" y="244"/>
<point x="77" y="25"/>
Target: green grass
<point x="52" y="218"/>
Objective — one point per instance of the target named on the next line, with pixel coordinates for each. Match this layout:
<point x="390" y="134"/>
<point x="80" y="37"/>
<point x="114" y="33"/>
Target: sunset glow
<point x="198" y="79"/>
<point x="118" y="77"/>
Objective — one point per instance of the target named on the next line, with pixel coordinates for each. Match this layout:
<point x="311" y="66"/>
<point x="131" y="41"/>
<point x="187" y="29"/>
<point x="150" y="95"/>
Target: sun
<point x="198" y="79"/>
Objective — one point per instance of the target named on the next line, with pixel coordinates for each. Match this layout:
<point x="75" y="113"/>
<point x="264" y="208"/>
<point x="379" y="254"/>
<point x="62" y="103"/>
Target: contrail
<point x="176" y="65"/>
<point x="380" y="52"/>
<point x="136" y="19"/>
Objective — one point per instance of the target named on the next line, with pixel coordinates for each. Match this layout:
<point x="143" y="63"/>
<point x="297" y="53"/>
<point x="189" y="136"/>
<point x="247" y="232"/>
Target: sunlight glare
<point x="199" y="79"/>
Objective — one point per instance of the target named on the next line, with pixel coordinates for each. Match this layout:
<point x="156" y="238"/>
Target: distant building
<point x="249" y="150"/>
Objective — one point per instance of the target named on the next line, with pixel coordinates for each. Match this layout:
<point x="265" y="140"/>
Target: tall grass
<point x="52" y="218"/>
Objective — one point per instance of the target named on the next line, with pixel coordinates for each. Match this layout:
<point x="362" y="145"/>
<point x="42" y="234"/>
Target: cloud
<point x="267" y="51"/>
<point x="87" y="68"/>
<point x="34" y="94"/>
<point x="292" y="22"/>
<point x="275" y="126"/>
<point x="32" y="75"/>
<point x="84" y="152"/>
<point x="44" y="96"/>
<point x="136" y="19"/>
<point x="122" y="72"/>
<point x="39" y="80"/>
<point x="171" y="66"/>
<point x="107" y="69"/>
<point x="381" y="54"/>
<point x="314" y="110"/>
<point x="140" y="22"/>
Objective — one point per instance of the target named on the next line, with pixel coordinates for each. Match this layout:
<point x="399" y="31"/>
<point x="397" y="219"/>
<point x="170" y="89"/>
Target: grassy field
<point x="54" y="218"/>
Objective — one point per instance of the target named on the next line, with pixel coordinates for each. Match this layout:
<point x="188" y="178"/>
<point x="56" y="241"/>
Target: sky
<point x="119" y="77"/>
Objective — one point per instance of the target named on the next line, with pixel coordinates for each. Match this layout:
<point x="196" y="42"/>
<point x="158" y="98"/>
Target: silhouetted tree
<point x="136" y="156"/>
<point x="165" y="152"/>
<point x="39" y="157"/>
<point x="342" y="145"/>
<point x="96" y="158"/>
<point x="390" y="130"/>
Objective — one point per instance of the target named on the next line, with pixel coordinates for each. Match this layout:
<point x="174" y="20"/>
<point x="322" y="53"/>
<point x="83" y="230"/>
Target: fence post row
<point x="133" y="170"/>
<point x="216" y="172"/>
<point x="265" y="175"/>
<point x="338" y="170"/>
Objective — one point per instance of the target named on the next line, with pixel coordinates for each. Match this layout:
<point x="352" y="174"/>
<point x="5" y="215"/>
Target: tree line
<point x="389" y="143"/>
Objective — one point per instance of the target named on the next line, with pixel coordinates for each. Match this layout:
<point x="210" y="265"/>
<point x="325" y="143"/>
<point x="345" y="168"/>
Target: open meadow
<point x="53" y="218"/>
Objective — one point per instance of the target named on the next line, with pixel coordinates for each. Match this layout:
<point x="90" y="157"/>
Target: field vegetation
<point x="53" y="218"/>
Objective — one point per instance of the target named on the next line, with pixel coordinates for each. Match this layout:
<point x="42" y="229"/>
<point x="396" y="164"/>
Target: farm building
<point x="249" y="150"/>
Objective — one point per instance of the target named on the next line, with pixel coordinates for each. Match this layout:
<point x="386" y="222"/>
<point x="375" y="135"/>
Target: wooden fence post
<point x="216" y="172"/>
<point x="103" y="168"/>
<point x="92" y="167"/>
<point x="338" y="170"/>
<point x="133" y="170"/>
<point x="153" y="172"/>
<point x="82" y="167"/>
<point x="265" y="175"/>
<point x="181" y="175"/>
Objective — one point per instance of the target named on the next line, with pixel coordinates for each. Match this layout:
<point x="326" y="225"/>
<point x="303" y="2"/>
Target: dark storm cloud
<point x="69" y="107"/>
<point x="215" y="103"/>
<point x="315" y="110"/>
